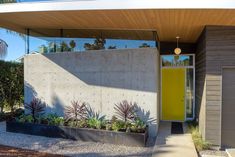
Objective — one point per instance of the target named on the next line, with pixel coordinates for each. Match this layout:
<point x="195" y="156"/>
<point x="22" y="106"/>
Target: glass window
<point x="75" y="40"/>
<point x="177" y="60"/>
<point x="189" y="93"/>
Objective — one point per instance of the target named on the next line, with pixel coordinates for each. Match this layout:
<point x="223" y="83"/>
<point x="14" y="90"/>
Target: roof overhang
<point x="168" y="17"/>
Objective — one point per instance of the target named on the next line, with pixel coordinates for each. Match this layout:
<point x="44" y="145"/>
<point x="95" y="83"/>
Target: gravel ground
<point x="213" y="153"/>
<point x="69" y="147"/>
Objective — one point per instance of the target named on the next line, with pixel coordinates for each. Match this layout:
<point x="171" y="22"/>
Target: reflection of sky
<point x="36" y="42"/>
<point x="170" y="58"/>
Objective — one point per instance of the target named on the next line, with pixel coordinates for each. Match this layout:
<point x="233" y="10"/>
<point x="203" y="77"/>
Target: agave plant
<point x="125" y="111"/>
<point x="94" y="119"/>
<point x="77" y="111"/>
<point x="36" y="107"/>
<point x="92" y="114"/>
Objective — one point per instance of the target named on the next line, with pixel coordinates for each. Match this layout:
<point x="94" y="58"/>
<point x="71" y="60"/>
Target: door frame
<point x="172" y="67"/>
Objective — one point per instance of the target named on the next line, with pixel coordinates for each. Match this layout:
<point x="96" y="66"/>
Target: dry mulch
<point x="6" y="151"/>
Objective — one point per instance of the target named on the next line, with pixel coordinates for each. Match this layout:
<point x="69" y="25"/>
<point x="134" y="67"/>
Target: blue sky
<point x="16" y="45"/>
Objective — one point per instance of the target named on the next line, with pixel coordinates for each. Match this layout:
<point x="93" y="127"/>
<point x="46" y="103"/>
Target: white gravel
<point x="213" y="153"/>
<point x="69" y="147"/>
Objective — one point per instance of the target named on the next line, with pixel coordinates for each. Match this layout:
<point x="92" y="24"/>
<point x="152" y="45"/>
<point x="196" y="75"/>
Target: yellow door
<point x="173" y="94"/>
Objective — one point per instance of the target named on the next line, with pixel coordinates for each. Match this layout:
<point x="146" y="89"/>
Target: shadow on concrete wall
<point x="55" y="107"/>
<point x="145" y="115"/>
<point x="116" y="69"/>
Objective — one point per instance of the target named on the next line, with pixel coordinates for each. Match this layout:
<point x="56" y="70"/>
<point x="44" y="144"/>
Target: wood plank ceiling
<point x="187" y="23"/>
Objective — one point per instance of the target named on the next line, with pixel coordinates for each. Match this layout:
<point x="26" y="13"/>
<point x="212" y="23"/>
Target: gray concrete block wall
<point x="101" y="78"/>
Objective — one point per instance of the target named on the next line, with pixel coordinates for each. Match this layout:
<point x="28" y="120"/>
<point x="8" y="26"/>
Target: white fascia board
<point x="115" y="5"/>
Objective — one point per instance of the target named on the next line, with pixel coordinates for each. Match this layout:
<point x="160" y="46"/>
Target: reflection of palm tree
<point x="144" y="45"/>
<point x="3" y="49"/>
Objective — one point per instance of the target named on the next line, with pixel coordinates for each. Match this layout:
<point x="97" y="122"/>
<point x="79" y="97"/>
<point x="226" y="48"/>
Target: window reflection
<point x="177" y="60"/>
<point x="72" y="40"/>
<point x="189" y="95"/>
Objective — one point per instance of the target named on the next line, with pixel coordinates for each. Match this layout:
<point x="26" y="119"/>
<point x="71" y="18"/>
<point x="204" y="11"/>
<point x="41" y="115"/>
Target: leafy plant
<point x="41" y="119"/>
<point x="82" y="123"/>
<point x="98" y="44"/>
<point x="94" y="123"/>
<point x="7" y="1"/>
<point x="54" y="119"/>
<point x="92" y="114"/>
<point x="199" y="143"/>
<point x="125" y="111"/>
<point x="25" y="119"/>
<point x="11" y="84"/>
<point x="94" y="119"/>
<point x="144" y="45"/>
<point x="72" y="44"/>
<point x="138" y="125"/>
<point x="118" y="125"/>
<point x="77" y="111"/>
<point x="108" y="126"/>
<point x="36" y="107"/>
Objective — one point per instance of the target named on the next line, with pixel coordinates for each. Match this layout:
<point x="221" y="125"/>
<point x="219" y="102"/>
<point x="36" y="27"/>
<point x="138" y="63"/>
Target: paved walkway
<point x="231" y="152"/>
<point x="168" y="145"/>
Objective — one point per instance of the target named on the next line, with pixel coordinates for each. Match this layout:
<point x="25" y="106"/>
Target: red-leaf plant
<point x="126" y="111"/>
<point x="77" y="111"/>
<point x="36" y="107"/>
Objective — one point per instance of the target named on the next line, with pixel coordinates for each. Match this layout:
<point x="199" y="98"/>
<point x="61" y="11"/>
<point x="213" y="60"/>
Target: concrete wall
<point x="101" y="78"/>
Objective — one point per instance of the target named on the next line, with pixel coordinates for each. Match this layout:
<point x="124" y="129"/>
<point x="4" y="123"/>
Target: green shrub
<point x="82" y="123"/>
<point x="54" y="119"/>
<point x="138" y="125"/>
<point x="11" y="85"/>
<point x="71" y="123"/>
<point x="118" y="125"/>
<point x="199" y="143"/>
<point x="25" y="119"/>
<point x="95" y="123"/>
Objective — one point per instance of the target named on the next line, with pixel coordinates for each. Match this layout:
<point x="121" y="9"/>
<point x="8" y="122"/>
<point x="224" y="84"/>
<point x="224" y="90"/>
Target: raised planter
<point x="83" y="134"/>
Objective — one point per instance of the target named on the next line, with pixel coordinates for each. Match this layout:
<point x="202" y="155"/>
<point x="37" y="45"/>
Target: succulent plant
<point x="36" y="108"/>
<point x="77" y="111"/>
<point x="125" y="111"/>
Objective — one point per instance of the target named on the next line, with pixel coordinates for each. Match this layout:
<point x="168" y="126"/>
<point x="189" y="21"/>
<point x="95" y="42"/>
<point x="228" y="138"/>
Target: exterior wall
<point x="101" y="78"/>
<point x="220" y="51"/>
<point x="200" y="95"/>
<point x="217" y="50"/>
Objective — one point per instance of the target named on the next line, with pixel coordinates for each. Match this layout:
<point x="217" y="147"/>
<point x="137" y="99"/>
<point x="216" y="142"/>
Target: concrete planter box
<point x="83" y="134"/>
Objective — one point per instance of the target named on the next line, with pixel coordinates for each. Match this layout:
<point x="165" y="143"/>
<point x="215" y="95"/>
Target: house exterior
<point x="196" y="84"/>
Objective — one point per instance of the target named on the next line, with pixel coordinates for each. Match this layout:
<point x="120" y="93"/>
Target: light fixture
<point x="177" y="49"/>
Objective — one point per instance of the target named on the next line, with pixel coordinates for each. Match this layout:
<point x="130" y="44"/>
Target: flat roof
<point x="66" y="5"/>
<point x="170" y="18"/>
